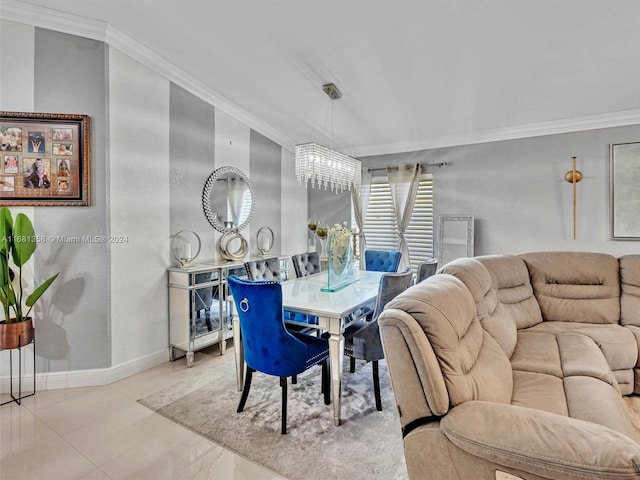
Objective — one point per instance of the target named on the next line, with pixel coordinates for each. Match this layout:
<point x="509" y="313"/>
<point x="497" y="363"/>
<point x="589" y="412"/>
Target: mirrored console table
<point x="200" y="307"/>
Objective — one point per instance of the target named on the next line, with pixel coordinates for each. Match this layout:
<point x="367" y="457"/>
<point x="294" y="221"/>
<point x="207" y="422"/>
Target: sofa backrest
<point x="504" y="298"/>
<point x="472" y="364"/>
<point x="513" y="286"/>
<point x="630" y="290"/>
<point x="575" y="286"/>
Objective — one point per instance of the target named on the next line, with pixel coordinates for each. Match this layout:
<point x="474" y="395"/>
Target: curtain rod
<point x="395" y="167"/>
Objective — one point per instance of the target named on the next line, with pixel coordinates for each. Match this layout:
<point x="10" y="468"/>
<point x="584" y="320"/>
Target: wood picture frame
<point x="44" y="159"/>
<point x="624" y="191"/>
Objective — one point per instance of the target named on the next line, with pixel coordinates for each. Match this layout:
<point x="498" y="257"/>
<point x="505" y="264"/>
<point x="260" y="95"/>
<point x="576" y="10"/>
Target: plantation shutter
<point x="380" y="227"/>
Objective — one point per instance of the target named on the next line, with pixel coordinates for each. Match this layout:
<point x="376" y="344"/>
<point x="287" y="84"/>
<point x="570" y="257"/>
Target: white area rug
<point x="367" y="446"/>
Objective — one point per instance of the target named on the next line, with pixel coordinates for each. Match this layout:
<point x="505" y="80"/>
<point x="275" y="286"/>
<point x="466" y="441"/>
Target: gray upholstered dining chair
<point x="306" y="264"/>
<point x="426" y="269"/>
<point x="362" y="338"/>
<point x="264" y="269"/>
<point x="269" y="269"/>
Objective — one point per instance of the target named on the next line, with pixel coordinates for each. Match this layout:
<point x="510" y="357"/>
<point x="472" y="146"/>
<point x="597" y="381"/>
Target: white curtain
<point x="403" y="183"/>
<point x="360" y="201"/>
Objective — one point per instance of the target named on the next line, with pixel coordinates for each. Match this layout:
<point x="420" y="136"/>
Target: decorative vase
<point x="322" y="231"/>
<point x="16" y="334"/>
<point x="340" y="259"/>
<point x="340" y="252"/>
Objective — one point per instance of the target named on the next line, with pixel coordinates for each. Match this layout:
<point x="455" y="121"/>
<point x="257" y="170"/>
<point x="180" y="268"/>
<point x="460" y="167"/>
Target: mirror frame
<point x="206" y="198"/>
<point x="467" y="242"/>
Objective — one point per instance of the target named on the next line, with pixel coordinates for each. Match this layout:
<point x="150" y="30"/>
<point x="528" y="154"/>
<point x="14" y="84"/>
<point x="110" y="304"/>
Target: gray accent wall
<point x="191" y="151"/>
<point x="330" y="207"/>
<point x="73" y="318"/>
<point x="266" y="176"/>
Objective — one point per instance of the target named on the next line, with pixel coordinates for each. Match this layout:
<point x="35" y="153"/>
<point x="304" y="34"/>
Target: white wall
<point x="138" y="199"/>
<point x="16" y="95"/>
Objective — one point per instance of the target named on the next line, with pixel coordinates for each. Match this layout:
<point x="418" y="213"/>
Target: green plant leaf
<point x="24" y="240"/>
<point x="5" y="276"/>
<point x="6" y="229"/>
<point x="37" y="293"/>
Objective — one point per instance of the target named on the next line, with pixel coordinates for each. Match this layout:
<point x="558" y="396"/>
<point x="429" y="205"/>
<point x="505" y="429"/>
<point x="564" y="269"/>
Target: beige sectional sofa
<point x="508" y="367"/>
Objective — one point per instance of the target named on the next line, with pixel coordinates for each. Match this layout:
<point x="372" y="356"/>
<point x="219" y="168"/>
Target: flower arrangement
<point x="340" y="253"/>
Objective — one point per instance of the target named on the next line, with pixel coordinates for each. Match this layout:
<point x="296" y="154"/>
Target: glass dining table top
<point x="305" y="295"/>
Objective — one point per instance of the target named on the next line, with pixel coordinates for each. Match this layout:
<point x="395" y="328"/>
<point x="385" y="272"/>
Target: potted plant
<point x="17" y="243"/>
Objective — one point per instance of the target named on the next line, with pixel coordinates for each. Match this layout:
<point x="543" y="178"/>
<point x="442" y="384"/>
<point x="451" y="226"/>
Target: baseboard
<point x="87" y="378"/>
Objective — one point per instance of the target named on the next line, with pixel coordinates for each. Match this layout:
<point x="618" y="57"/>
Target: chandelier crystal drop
<point x="326" y="167"/>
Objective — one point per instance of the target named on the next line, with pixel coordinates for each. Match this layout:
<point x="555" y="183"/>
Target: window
<point x="381" y="229"/>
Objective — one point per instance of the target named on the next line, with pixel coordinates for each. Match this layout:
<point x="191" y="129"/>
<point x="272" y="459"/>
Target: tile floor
<point x="102" y="432"/>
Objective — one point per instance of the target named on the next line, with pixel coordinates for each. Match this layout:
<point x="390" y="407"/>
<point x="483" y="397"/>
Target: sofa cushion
<point x="513" y="286"/>
<point x="473" y="365"/>
<point x="630" y="290"/>
<point x="590" y="399"/>
<point x="575" y="286"/>
<point x="540" y="391"/>
<point x="618" y="344"/>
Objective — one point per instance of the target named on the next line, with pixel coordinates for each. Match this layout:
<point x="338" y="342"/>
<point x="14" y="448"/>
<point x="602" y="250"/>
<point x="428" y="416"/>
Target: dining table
<point x="335" y="311"/>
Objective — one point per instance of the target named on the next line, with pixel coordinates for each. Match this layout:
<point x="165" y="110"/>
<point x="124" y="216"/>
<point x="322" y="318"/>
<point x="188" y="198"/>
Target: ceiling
<point x="413" y="73"/>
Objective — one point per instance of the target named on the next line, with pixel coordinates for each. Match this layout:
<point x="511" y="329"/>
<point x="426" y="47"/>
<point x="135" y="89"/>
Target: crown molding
<point x="41" y="17"/>
<point x="569" y="125"/>
<point x="35" y="16"/>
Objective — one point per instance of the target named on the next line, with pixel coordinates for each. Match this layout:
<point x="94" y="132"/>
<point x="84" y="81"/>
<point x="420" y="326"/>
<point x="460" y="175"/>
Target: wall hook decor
<point x="573" y="176"/>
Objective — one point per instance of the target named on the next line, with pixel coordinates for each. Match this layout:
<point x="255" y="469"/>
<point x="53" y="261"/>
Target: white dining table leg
<point x="336" y="352"/>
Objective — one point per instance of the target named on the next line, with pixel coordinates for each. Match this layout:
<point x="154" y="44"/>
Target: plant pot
<point x="15" y="334"/>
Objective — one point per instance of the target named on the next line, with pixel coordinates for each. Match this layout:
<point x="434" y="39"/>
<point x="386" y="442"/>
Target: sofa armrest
<point x="541" y="443"/>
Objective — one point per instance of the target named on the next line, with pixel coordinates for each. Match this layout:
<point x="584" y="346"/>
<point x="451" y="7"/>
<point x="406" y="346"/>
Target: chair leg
<point x="283" y="384"/>
<point x="245" y="389"/>
<point x="326" y="389"/>
<point x="376" y="385"/>
<point x="294" y="379"/>
<point x="352" y="364"/>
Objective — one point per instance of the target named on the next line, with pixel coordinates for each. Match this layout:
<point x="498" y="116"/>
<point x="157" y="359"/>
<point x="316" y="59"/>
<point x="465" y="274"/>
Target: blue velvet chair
<point x="382" y="260"/>
<point x="362" y="338"/>
<point x="268" y="346"/>
<point x="269" y="269"/>
<point x="426" y="269"/>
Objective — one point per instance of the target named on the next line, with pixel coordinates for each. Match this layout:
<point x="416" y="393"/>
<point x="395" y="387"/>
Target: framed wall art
<point x="625" y="191"/>
<point x="44" y="159"/>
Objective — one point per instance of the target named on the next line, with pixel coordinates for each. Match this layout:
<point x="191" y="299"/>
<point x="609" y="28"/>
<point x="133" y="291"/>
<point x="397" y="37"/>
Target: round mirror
<point x="228" y="199"/>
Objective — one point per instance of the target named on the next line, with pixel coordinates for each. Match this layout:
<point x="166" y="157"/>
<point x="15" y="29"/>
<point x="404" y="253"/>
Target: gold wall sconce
<point x="573" y="176"/>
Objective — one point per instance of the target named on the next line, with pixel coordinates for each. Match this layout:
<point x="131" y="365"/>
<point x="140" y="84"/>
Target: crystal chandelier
<point x="324" y="166"/>
<point x="327" y="167"/>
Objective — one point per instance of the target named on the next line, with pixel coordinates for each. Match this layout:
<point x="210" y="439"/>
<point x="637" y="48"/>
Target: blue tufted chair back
<point x="382" y="260"/>
<point x="268" y="346"/>
<point x="266" y="269"/>
<point x="306" y="264"/>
